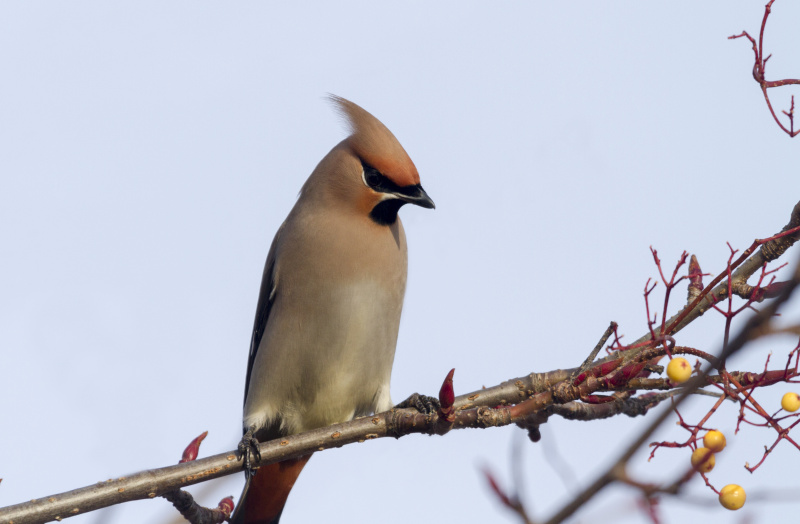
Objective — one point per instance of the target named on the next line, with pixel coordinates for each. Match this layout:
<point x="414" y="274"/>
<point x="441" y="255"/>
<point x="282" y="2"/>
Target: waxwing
<point x="328" y="312"/>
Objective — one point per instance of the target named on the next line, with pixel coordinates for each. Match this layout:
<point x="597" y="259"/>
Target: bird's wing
<point x="266" y="297"/>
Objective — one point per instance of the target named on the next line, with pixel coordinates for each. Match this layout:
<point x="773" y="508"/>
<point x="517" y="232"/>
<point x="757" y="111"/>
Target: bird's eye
<point x="373" y="178"/>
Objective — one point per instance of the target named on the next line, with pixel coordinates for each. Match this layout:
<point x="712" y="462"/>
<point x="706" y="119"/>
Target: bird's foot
<point x="248" y="449"/>
<point x="422" y="403"/>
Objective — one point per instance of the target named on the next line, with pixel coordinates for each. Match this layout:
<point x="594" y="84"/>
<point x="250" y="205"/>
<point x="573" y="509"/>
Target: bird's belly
<point x="327" y="361"/>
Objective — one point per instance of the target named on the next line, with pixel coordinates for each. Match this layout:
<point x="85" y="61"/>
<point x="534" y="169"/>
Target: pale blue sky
<point x="151" y="150"/>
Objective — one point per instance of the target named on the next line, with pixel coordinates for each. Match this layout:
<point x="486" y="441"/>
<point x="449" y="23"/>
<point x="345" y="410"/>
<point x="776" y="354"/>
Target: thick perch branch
<point x="471" y="412"/>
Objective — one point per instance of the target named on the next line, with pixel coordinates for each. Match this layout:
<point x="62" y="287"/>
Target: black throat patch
<point x="385" y="213"/>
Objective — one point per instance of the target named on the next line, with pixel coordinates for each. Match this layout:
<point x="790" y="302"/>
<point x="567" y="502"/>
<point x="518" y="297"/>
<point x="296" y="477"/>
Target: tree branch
<point x="617" y="470"/>
<point x="759" y="73"/>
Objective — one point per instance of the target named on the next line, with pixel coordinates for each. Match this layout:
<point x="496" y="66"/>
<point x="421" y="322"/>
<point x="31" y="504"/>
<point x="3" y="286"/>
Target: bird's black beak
<point x="417" y="196"/>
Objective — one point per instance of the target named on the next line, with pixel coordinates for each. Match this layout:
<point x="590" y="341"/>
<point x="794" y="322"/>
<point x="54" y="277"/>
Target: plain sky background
<point x="149" y="151"/>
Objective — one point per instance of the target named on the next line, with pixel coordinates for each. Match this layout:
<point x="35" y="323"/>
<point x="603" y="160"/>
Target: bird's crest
<point x="375" y="144"/>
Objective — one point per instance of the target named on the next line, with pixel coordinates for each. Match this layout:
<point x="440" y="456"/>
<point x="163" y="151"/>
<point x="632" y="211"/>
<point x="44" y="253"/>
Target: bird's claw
<point x="422" y="403"/>
<point x="248" y="449"/>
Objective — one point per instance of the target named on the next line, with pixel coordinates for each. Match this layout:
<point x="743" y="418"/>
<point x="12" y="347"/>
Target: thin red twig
<point x="759" y="72"/>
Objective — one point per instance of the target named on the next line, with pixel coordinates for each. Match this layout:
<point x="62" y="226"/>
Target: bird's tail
<point x="265" y="494"/>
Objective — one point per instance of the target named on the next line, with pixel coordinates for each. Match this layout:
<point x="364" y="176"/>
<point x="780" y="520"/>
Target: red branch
<point x="759" y="72"/>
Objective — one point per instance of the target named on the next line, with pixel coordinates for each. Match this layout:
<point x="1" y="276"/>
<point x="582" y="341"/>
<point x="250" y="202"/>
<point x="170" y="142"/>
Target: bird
<point x="328" y="311"/>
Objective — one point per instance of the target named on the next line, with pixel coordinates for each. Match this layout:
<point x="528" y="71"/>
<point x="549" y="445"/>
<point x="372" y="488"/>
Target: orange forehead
<point x="401" y="171"/>
<point x="376" y="145"/>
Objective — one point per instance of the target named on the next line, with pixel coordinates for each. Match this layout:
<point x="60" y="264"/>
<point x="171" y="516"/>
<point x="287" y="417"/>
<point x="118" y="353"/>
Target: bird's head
<point x="378" y="175"/>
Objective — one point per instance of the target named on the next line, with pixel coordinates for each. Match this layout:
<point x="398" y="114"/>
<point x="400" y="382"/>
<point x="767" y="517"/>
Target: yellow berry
<point x="714" y="440"/>
<point x="679" y="370"/>
<point x="791" y="402"/>
<point x="732" y="497"/>
<point x="703" y="460"/>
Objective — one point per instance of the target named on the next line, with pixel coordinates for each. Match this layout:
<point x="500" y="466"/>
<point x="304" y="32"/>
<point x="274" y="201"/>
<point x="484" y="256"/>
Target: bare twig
<point x="617" y="470"/>
<point x="759" y="73"/>
<point x="603" y="339"/>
